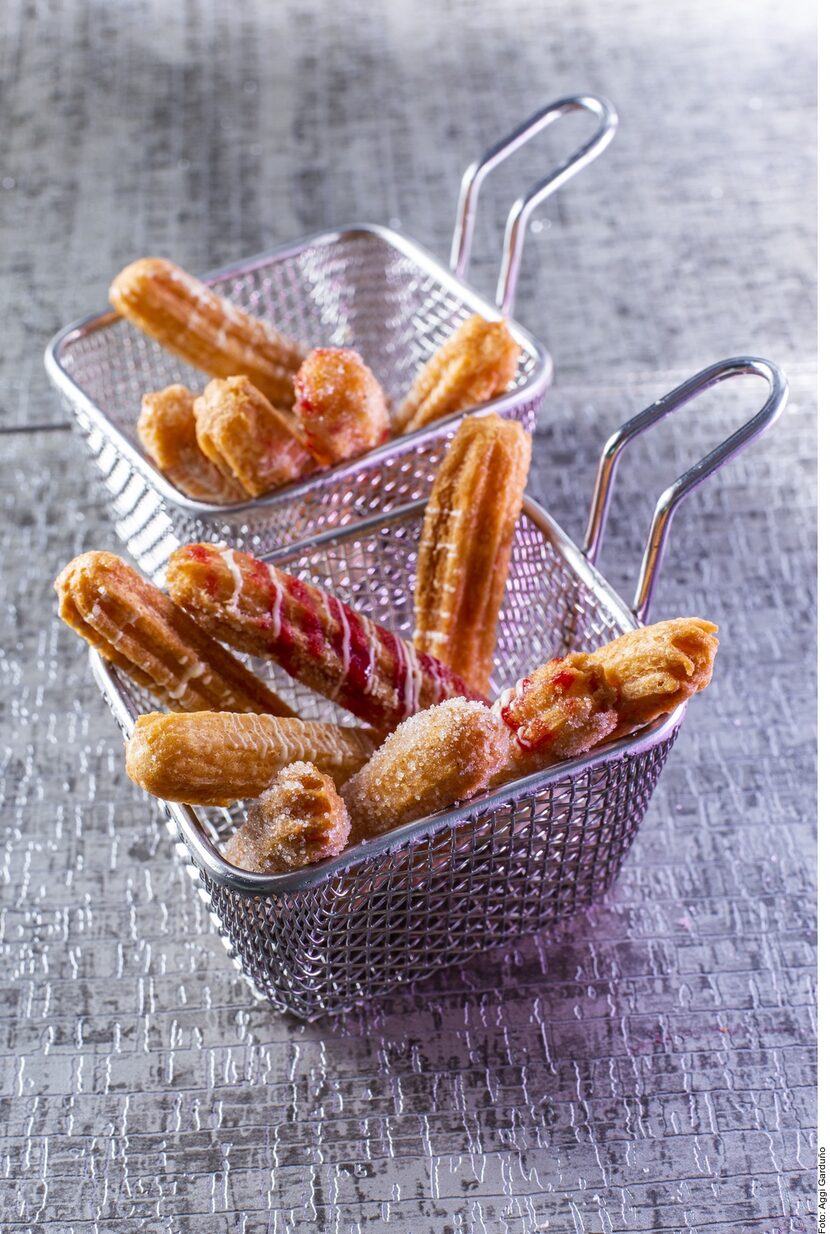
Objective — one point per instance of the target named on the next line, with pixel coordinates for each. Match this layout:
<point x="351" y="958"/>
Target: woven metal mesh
<point x="499" y="872"/>
<point x="399" y="916"/>
<point x="356" y="289"/>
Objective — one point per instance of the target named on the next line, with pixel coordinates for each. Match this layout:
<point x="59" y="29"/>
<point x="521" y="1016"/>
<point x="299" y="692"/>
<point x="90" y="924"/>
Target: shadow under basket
<point x="397" y="907"/>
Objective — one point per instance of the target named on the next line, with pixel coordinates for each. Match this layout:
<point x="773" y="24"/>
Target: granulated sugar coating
<point x="340" y="405"/>
<point x="440" y="756"/>
<point x="299" y="820"/>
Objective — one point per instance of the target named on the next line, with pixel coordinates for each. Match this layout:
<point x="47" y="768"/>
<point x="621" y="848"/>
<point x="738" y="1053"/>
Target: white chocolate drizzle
<point x="227" y="555"/>
<point x="196" y="669"/>
<point x="276" y="609"/>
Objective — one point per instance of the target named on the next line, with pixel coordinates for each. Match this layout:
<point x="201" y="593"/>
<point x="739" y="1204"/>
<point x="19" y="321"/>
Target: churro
<point x="212" y="758"/>
<point x="299" y="820"/>
<point x="465" y="546"/>
<point x="570" y="705"/>
<point x="313" y="635"/>
<point x="142" y="632"/>
<point x="205" y="329"/>
<point x="339" y="404"/>
<point x="561" y="710"/>
<point x="247" y="438"/>
<point x="167" y="431"/>
<point x="440" y="756"/>
<point x="658" y="667"/>
<point x="476" y="363"/>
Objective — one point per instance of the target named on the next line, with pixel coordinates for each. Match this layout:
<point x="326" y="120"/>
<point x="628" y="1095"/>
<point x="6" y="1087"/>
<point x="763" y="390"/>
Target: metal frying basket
<point x="365" y="287"/>
<point x="399" y="906"/>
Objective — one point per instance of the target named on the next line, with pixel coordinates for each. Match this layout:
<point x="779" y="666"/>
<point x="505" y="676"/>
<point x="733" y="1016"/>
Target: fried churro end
<point x="140" y="630"/>
<point x="250" y="441"/>
<point x="658" y="667"/>
<point x="204" y="328"/>
<point x="167" y="431"/>
<point x="562" y="709"/>
<point x="301" y="819"/>
<point x="340" y="405"/>
<point x="476" y="363"/>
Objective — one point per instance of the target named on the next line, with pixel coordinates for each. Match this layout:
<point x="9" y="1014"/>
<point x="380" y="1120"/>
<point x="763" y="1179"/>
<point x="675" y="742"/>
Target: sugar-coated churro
<point x="465" y="545"/>
<point x="476" y="363"/>
<point x="205" y="329"/>
<point x="440" y="756"/>
<point x="339" y="404"/>
<point x="313" y="635"/>
<point x="247" y="438"/>
<point x="167" y="430"/>
<point x="143" y="633"/>
<point x="301" y="819"/>
<point x="213" y="758"/>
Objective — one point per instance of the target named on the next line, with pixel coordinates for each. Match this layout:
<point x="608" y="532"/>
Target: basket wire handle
<point x="671" y="498"/>
<point x="523" y="207"/>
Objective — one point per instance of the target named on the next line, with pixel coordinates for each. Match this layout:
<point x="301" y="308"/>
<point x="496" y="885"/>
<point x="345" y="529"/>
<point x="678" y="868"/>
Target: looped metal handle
<point x="672" y="497"/>
<point x="523" y="207"/>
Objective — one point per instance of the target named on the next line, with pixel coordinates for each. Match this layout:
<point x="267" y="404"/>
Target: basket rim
<point x="64" y="382"/>
<point x="209" y="858"/>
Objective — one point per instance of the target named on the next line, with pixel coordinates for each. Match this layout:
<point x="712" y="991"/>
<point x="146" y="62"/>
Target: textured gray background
<point x="652" y="1067"/>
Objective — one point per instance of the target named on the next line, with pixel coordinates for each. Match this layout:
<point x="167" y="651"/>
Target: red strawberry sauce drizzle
<point x="205" y="556"/>
<point x="447" y="683"/>
<point x="531" y="732"/>
<point x="309" y="625"/>
<point x="261" y="577"/>
<point x="564" y="680"/>
<point x="397" y="677"/>
<point x="354" y="691"/>
<point x="300" y="637"/>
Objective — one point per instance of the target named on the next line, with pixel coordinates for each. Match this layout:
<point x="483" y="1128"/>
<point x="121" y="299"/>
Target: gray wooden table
<point x="651" y="1066"/>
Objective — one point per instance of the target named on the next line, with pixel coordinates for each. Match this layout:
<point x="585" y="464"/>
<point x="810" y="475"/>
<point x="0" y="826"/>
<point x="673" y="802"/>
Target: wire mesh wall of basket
<point x="365" y="287"/>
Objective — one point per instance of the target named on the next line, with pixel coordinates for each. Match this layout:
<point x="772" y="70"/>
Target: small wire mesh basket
<point x="507" y="863"/>
<point x="365" y="287"/>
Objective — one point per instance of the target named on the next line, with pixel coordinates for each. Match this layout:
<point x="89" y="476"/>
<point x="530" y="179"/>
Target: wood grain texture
<point x="651" y="1067"/>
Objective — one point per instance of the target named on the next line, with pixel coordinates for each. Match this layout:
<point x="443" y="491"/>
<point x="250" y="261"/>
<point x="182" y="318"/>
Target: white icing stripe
<point x="276" y="611"/>
<point x="193" y="670"/>
<point x="412" y="681"/>
<point x="371" y="644"/>
<point x="345" y="641"/>
<point x="229" y="559"/>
